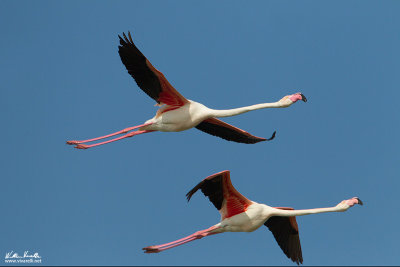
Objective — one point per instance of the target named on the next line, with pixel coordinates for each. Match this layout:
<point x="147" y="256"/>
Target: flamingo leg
<point x="83" y="146"/>
<point x="156" y="249"/>
<point x="197" y="235"/>
<point x="75" y="142"/>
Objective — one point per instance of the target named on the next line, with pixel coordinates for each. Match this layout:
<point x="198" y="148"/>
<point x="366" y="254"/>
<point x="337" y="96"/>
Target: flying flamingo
<point x="239" y="214"/>
<point x="176" y="113"/>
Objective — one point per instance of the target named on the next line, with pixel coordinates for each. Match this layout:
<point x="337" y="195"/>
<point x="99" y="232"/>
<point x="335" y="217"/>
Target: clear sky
<point x="62" y="79"/>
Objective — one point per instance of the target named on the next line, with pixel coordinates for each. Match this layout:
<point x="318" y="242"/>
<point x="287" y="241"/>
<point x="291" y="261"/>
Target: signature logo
<point x="26" y="257"/>
<point x="14" y="255"/>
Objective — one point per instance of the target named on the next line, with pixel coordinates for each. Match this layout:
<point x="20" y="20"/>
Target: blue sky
<point x="62" y="79"/>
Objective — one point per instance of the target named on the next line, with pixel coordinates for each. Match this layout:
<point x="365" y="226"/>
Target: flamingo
<point x="239" y="214"/>
<point x="176" y="113"/>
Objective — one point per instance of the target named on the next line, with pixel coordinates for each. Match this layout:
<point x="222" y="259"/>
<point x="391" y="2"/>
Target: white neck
<point x="289" y="213"/>
<point x="237" y="111"/>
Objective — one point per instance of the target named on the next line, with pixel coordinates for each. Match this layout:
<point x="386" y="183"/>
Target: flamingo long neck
<point x="237" y="111"/>
<point x="289" y="213"/>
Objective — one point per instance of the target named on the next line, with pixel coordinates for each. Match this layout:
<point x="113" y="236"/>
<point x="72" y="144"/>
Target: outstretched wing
<point x="228" y="132"/>
<point x="219" y="189"/>
<point x="286" y="233"/>
<point x="148" y="78"/>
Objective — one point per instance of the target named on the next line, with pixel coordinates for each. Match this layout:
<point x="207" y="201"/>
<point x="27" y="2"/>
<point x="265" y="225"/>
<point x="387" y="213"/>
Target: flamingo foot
<point x="82" y="146"/>
<point x="151" y="249"/>
<point x="72" y="142"/>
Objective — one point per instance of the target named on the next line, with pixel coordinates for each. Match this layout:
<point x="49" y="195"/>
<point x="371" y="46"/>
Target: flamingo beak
<point x="359" y="201"/>
<point x="303" y="97"/>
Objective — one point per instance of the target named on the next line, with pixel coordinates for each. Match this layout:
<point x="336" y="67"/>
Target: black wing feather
<point x="135" y="63"/>
<point x="229" y="134"/>
<point x="286" y="236"/>
<point x="211" y="188"/>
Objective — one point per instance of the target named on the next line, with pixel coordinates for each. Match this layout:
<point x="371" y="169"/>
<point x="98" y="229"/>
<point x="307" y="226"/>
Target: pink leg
<point x="156" y="249"/>
<point x="197" y="235"/>
<point x="83" y="146"/>
<point x="75" y="142"/>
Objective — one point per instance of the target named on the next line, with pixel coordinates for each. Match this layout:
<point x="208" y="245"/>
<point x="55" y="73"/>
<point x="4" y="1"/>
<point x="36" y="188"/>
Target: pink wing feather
<point x="219" y="189"/>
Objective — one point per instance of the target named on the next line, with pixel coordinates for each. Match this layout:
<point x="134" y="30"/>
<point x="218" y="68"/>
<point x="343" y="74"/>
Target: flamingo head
<point x="348" y="203"/>
<point x="290" y="99"/>
<point x="297" y="96"/>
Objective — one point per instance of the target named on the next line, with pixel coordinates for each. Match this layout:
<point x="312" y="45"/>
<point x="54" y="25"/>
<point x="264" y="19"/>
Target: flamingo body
<point x="239" y="214"/>
<point x="248" y="220"/>
<point x="176" y="112"/>
<point x="179" y="119"/>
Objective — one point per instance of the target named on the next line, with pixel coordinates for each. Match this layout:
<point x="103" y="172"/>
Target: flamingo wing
<point x="286" y="233"/>
<point x="148" y="78"/>
<point x="229" y="132"/>
<point x="219" y="189"/>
